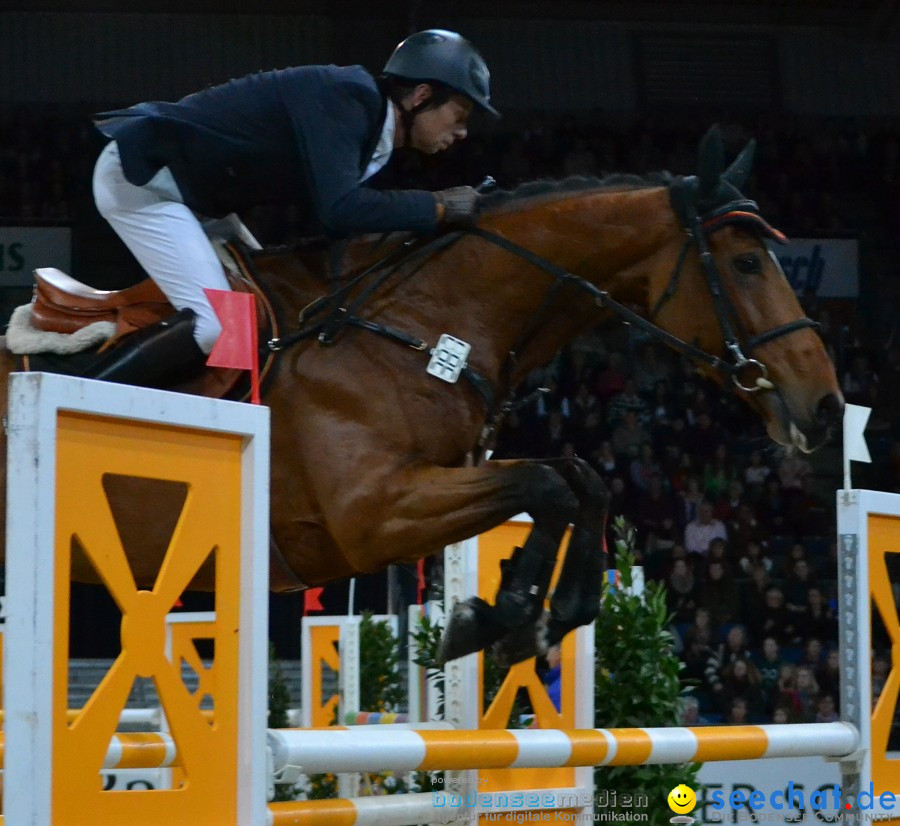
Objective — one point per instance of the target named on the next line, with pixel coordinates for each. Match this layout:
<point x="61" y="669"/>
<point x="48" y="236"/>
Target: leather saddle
<point x="62" y="304"/>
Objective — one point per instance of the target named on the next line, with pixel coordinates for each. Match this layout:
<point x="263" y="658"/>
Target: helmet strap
<point x="440" y="94"/>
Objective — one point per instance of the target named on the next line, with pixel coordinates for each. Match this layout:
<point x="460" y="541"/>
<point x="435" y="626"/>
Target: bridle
<point x="698" y="227"/>
<point x="747" y="374"/>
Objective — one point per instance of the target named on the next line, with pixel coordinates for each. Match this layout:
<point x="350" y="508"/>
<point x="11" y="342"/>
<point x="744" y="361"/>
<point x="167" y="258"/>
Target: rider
<point x="310" y="136"/>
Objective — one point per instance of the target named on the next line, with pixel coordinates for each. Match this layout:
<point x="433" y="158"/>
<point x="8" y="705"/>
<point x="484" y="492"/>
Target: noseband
<point x="698" y="228"/>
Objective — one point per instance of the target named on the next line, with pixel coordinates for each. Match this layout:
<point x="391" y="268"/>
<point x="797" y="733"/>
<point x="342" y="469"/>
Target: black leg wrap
<point x="471" y="627"/>
<point x="576" y="598"/>
<point x="525" y="580"/>
<point x="521" y="596"/>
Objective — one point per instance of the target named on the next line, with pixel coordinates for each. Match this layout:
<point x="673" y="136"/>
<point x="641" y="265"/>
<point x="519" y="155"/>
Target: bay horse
<point x="372" y="453"/>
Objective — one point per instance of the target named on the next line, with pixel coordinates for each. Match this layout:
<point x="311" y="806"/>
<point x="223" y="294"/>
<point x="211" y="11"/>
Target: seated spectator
<point x="681" y="592"/>
<point x="797" y="585"/>
<point x="775" y="620"/>
<point x="786" y="696"/>
<point x="700" y="630"/>
<point x="584" y="404"/>
<point x="699" y="532"/>
<point x="755" y="475"/>
<point x="605" y="461"/>
<point x="769" y="663"/>
<point x="689" y="493"/>
<point x="553" y="435"/>
<point x="782" y="714"/>
<point x="755" y="598"/>
<point x="741" y="681"/>
<point x="880" y="669"/>
<point x="719" y="594"/>
<point x="813" y="653"/>
<point x="718" y="474"/>
<point x="719" y="552"/>
<point x="796" y="552"/>
<point x="726" y="505"/>
<point x="734" y="648"/>
<point x="663" y="410"/>
<point x="643" y="468"/>
<point x="627" y="401"/>
<point x="752" y="557"/>
<point x="807" y="691"/>
<point x="826" y="709"/>
<point x="744" y="528"/>
<point x="628" y="436"/>
<point x="828" y="675"/>
<point x="670" y="439"/>
<point x="773" y="507"/>
<point x="818" y="619"/>
<point x="807" y="513"/>
<point x="656" y="520"/>
<point x="651" y="371"/>
<point x="703" y="436"/>
<point x="690" y="712"/>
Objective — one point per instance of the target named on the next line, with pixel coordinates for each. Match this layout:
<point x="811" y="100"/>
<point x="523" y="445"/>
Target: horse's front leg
<point x="525" y="579"/>
<point x="576" y="597"/>
<point x="421" y="508"/>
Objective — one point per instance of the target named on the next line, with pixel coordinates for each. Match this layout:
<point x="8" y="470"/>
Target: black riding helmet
<point x="446" y="58"/>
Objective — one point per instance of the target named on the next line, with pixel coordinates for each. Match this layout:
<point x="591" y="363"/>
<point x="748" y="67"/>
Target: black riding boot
<point x="156" y="356"/>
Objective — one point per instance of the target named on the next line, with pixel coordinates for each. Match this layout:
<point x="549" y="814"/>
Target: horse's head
<point x="733" y="302"/>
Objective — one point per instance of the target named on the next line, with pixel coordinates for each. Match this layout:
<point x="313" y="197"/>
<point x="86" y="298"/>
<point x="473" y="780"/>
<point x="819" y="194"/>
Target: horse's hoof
<point x="470" y="628"/>
<point x="529" y="640"/>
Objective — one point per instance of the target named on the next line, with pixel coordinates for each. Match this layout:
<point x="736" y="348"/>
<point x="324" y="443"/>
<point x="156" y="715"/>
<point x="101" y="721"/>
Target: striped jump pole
<point x="370" y="750"/>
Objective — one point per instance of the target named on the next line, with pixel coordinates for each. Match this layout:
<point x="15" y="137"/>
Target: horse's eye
<point x="748" y="264"/>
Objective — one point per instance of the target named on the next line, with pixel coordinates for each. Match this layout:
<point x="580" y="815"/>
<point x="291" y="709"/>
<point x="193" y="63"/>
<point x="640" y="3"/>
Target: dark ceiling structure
<point x="870" y="16"/>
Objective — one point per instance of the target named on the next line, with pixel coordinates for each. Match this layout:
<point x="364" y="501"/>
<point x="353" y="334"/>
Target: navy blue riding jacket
<point x="302" y="135"/>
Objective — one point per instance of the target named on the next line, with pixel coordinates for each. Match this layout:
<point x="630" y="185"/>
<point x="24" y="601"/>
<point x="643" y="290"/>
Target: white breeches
<point x="166" y="238"/>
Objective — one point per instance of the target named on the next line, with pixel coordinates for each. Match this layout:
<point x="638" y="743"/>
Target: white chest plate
<point x="448" y="358"/>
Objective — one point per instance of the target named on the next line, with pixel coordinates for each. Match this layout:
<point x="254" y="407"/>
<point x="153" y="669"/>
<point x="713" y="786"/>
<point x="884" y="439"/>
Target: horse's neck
<point x="610" y="239"/>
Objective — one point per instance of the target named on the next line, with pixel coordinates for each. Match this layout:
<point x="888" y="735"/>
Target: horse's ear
<point x="711" y="160"/>
<point x="739" y="171"/>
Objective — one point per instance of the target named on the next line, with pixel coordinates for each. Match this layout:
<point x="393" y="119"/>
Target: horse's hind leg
<point x="525" y="580"/>
<point x="576" y="598"/>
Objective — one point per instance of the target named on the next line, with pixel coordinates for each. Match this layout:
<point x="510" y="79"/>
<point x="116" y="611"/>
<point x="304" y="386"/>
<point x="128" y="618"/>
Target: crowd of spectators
<point x="734" y="527"/>
<point x="739" y="531"/>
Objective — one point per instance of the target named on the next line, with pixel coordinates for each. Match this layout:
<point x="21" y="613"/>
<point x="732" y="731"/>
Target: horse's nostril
<point x="830" y="409"/>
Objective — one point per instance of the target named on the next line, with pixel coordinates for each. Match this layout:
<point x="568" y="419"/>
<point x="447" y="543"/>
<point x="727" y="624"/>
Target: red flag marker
<point x="237" y="345"/>
<point x="420" y="582"/>
<point x="312" y="601"/>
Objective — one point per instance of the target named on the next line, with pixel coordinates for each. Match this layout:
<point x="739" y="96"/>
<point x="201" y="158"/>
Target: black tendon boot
<point x="156" y="356"/>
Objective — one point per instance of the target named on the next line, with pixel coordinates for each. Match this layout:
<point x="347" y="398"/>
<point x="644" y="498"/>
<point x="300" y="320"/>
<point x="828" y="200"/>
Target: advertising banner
<point x="828" y="266"/>
<point x="22" y="249"/>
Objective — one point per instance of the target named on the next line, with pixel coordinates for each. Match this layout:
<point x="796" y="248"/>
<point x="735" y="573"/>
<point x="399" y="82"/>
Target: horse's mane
<point x="530" y="191"/>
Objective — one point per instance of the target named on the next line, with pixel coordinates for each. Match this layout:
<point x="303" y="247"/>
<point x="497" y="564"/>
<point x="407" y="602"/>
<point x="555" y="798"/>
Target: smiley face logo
<point x="682" y="799"/>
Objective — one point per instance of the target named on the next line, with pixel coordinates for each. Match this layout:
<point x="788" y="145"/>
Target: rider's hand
<point x="457" y="205"/>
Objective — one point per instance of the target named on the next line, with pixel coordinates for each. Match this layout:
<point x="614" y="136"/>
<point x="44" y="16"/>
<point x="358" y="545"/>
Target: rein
<point x="698" y="228"/>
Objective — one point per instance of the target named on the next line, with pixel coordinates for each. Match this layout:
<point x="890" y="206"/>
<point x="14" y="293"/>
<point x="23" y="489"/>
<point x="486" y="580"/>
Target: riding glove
<point x="457" y="205"/>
